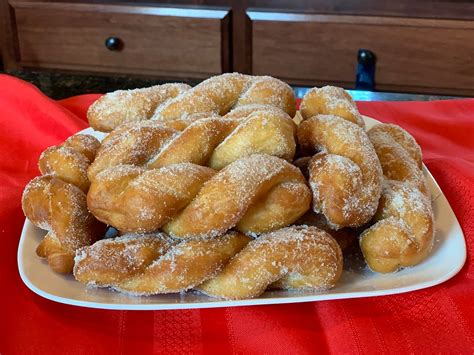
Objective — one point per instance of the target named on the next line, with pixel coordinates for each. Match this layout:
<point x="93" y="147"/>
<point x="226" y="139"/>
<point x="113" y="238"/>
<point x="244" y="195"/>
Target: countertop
<point x="60" y="85"/>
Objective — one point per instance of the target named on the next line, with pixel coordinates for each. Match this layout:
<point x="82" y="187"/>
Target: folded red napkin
<point x="437" y="319"/>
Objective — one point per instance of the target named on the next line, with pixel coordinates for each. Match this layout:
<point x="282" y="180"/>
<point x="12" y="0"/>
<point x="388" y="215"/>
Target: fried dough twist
<point x="255" y="194"/>
<point x="404" y="230"/>
<point x="123" y="106"/>
<point x="231" y="266"/>
<point x="144" y="265"/>
<point x="290" y="258"/>
<point x="223" y="93"/>
<point x="215" y="141"/>
<point x="61" y="209"/>
<point x="345" y="175"/>
<point x="56" y="201"/>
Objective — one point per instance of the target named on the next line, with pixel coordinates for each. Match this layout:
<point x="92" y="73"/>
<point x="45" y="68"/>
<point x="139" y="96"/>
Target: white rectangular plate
<point x="447" y="258"/>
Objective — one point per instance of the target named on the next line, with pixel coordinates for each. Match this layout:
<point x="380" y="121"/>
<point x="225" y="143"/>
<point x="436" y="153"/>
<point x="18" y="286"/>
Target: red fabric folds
<point x="437" y="319"/>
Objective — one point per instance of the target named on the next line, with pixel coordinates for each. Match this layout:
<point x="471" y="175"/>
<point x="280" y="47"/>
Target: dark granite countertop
<point x="61" y="85"/>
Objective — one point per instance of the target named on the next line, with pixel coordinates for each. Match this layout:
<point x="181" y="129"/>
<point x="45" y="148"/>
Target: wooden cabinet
<point x="420" y="47"/>
<point x="123" y="39"/>
<point x="412" y="54"/>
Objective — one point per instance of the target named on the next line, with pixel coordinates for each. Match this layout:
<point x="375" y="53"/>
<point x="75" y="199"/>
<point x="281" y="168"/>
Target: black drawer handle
<point x="365" y="77"/>
<point x="113" y="43"/>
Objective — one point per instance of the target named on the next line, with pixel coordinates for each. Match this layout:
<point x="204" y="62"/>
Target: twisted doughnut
<point x="236" y="266"/>
<point x="345" y="175"/>
<point x="289" y="258"/>
<point x="155" y="264"/>
<point x="215" y="141"/>
<point x="255" y="194"/>
<point x="61" y="209"/>
<point x="330" y="100"/>
<point x="70" y="161"/>
<point x="57" y="202"/>
<point x="122" y="106"/>
<point x="220" y="94"/>
<point x="404" y="230"/>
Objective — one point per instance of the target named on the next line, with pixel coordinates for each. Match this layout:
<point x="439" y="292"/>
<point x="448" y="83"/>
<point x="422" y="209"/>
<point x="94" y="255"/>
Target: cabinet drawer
<point x="412" y="54"/>
<point x="151" y="40"/>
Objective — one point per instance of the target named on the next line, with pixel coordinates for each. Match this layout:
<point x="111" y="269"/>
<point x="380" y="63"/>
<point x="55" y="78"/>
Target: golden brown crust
<point x="403" y="232"/>
<point x="213" y="141"/>
<point x="399" y="155"/>
<point x="236" y="266"/>
<point x="345" y="176"/>
<point x="70" y="161"/>
<point x="133" y="143"/>
<point x="133" y="199"/>
<point x="256" y="194"/>
<point x="85" y="144"/>
<point x="245" y="194"/>
<point x="398" y="135"/>
<point x="111" y="261"/>
<point x="221" y="94"/>
<point x="289" y="258"/>
<point x="57" y="203"/>
<point x="330" y="100"/>
<point x="123" y="106"/>
<point x="60" y="208"/>
<point x="345" y="237"/>
<point x="156" y="263"/>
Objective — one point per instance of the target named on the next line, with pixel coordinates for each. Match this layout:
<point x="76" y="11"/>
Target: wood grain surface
<point x="176" y="42"/>
<point x="411" y="53"/>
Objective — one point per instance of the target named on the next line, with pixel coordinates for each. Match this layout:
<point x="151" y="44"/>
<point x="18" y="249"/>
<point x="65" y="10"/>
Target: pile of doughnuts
<point x="225" y="189"/>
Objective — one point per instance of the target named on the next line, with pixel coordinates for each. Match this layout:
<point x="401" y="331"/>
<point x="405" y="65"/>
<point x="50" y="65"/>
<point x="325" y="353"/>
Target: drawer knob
<point x="365" y="76"/>
<point x="113" y="43"/>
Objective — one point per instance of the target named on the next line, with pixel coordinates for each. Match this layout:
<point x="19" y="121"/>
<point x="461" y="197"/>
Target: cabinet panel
<point x="168" y="41"/>
<point x="412" y="54"/>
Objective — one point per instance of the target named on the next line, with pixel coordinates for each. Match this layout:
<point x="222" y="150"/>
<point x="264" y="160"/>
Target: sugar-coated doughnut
<point x="403" y="232"/>
<point x="345" y="173"/>
<point x="255" y="194"/>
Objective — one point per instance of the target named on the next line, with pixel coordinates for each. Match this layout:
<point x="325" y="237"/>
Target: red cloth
<point x="437" y="319"/>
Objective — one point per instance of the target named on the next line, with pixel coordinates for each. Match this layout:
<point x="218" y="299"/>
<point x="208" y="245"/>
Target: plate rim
<point x="247" y="302"/>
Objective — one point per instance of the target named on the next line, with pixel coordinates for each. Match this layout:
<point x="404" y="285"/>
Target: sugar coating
<point x="63" y="212"/>
<point x="177" y="265"/>
<point x="285" y="252"/>
<point x="404" y="189"/>
<point x="345" y="151"/>
<point x="216" y="140"/>
<point x="122" y="106"/>
<point x="124" y="253"/>
<point x="399" y="155"/>
<point x="229" y="194"/>
<point x="37" y="184"/>
<point x="292" y="257"/>
<point x="220" y="94"/>
<point x="405" y="205"/>
<point x="144" y="199"/>
<point x="70" y="160"/>
<point x="333" y="100"/>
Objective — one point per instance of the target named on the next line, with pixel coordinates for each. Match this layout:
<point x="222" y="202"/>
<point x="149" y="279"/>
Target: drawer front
<point x="412" y="54"/>
<point x="162" y="41"/>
